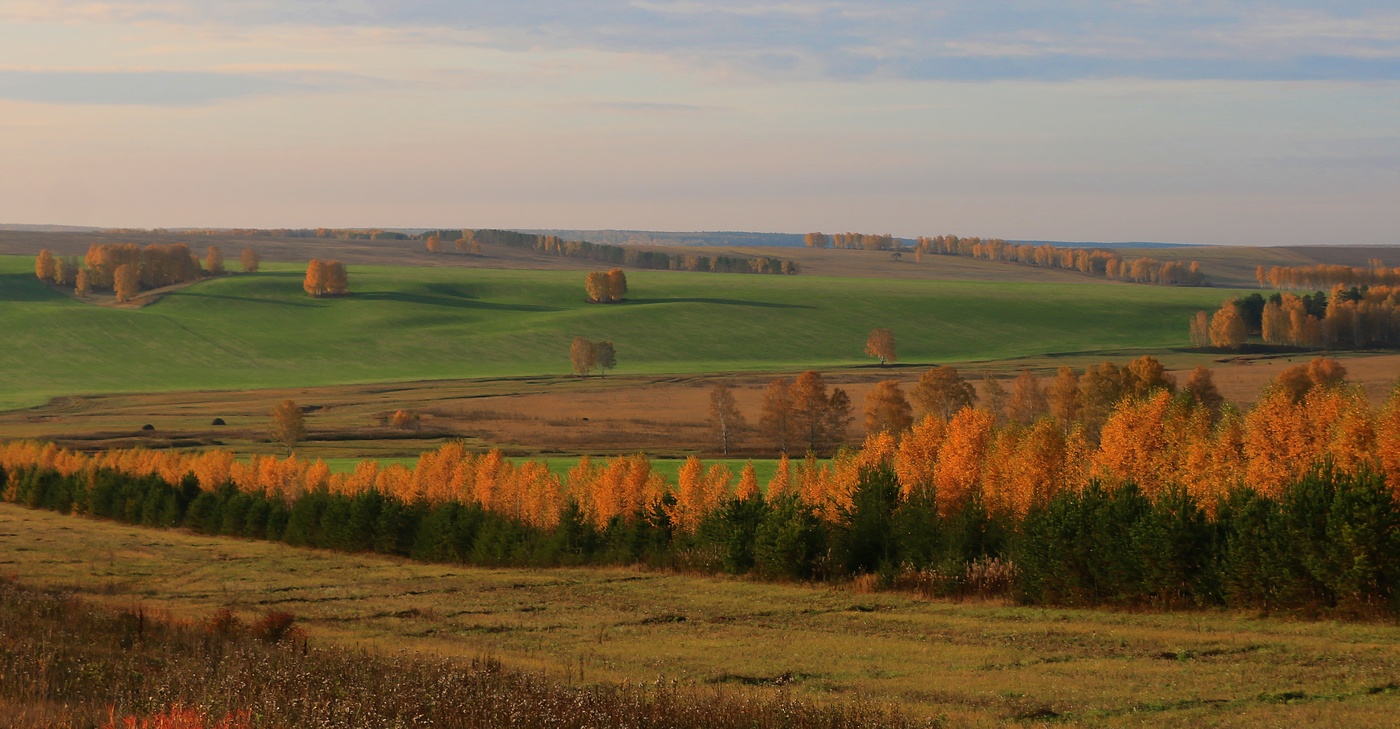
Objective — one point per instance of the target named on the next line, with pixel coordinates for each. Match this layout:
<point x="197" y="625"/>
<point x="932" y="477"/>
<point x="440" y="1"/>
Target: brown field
<point x="971" y="663"/>
<point x="540" y="416"/>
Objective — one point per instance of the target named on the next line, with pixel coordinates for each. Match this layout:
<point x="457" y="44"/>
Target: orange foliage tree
<point x="880" y="344"/>
<point x="886" y="409"/>
<point x="45" y="267"/>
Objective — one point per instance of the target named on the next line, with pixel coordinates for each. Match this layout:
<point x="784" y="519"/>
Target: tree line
<point x="1324" y="275"/>
<point x="1289" y="506"/>
<point x="1093" y="262"/>
<point x="553" y="245"/>
<point x="1350" y="317"/>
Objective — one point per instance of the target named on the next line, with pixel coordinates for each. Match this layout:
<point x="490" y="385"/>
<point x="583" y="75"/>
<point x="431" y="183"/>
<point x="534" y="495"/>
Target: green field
<point x="401" y="323"/>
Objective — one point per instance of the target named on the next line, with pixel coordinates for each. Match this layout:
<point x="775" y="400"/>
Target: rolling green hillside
<point x="423" y="323"/>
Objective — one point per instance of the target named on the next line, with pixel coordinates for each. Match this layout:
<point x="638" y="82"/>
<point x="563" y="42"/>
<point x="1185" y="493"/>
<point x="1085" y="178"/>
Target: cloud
<point x="161" y="88"/>
<point x="856" y="39"/>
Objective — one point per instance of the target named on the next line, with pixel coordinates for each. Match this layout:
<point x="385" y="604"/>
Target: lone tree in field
<point x="326" y="278"/>
<point x="880" y="344"/>
<point x="288" y="425"/>
<point x="584" y="356"/>
<point x="606" y="287"/>
<point x="725" y="417"/>
<point x="605" y="356"/>
<point x="45" y="266"/>
<point x="251" y="260"/>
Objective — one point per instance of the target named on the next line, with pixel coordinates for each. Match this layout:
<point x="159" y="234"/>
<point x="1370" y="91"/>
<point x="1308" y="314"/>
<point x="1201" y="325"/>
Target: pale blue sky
<point x="1200" y="122"/>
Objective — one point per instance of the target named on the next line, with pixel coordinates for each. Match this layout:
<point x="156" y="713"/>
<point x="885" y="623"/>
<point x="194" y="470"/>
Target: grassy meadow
<point x="403" y="323"/>
<point x="971" y="664"/>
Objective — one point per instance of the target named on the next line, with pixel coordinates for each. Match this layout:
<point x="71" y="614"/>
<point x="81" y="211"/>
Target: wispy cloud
<point x="957" y="40"/>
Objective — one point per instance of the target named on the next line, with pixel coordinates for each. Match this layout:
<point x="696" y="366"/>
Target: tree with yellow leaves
<point x="776" y="421"/>
<point x="941" y="390"/>
<point x="126" y="282"/>
<point x="725" y="418"/>
<point x="880" y="344"/>
<point x="45" y="266"/>
<point x="886" y="409"/>
<point x="1028" y="400"/>
<point x="82" y="284"/>
<point x="251" y="260"/>
<point x="583" y="355"/>
<point x="288" y="425"/>
<point x="1200" y="330"/>
<point x="214" y="261"/>
<point x="1201" y="386"/>
<point x="1063" y="396"/>
<point x="1227" y="329"/>
<point x="958" y="473"/>
<point x="617" y="285"/>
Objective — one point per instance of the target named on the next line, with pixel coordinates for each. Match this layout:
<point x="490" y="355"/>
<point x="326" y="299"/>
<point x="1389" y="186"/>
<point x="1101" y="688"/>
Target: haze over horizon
<point x="1185" y="122"/>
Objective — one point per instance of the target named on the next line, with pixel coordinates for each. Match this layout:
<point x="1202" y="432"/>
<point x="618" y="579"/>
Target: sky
<point x="1260" y="123"/>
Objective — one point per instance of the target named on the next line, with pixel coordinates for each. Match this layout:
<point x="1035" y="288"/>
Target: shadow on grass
<point x="457" y="297"/>
<point x="22" y="287"/>
<point x="720" y="302"/>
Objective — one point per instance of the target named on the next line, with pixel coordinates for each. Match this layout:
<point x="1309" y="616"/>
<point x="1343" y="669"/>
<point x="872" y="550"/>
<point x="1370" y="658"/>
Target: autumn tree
<point x="82" y="285"/>
<point x="1028" y="400"/>
<point x="887" y="410"/>
<point x="994" y="396"/>
<point x="1201" y="386"/>
<point x="45" y="267"/>
<point x="1200" y="329"/>
<point x="880" y="344"/>
<point x="326" y="278"/>
<point x="288" y="425"/>
<point x="596" y="284"/>
<point x="617" y="285"/>
<point x="1227" y="330"/>
<point x="251" y="260"/>
<point x="126" y="282"/>
<point x="811" y="404"/>
<point x="214" y="261"/>
<point x="433" y="243"/>
<point x="725" y="418"/>
<point x="943" y="391"/>
<point x="838" y="416"/>
<point x="606" y="357"/>
<point x="1145" y="375"/>
<point x="583" y="354"/>
<point x="337" y="279"/>
<point x="67" y="274"/>
<point x="1063" y="395"/>
<point x="315" y="282"/>
<point x="1100" y="388"/>
<point x="776" y="419"/>
<point x="816" y="240"/>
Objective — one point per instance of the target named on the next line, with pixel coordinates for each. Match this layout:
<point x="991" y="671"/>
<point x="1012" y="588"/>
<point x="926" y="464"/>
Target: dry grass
<point x="975" y="663"/>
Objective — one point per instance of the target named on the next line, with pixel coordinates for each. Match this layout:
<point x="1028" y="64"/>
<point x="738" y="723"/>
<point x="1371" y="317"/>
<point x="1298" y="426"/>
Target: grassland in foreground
<point x="977" y="664"/>
<point x="404" y="323"/>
